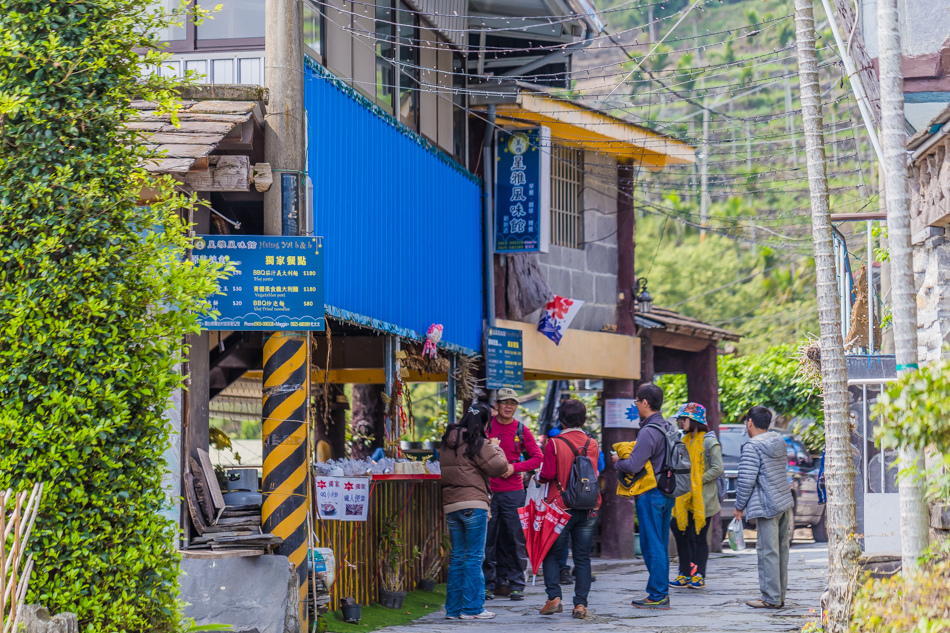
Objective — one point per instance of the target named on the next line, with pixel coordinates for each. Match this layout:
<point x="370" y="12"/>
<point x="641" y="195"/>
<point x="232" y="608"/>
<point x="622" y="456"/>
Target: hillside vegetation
<point x="752" y="271"/>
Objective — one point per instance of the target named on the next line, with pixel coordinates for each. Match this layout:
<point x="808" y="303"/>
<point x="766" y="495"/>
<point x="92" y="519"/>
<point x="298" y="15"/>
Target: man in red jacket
<point x="506" y="558"/>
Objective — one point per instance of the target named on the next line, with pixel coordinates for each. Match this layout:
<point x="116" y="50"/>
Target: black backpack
<point x="582" y="489"/>
<point x="673" y="480"/>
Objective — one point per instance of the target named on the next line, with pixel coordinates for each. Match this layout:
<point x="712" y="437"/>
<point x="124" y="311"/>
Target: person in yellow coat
<point x="693" y="511"/>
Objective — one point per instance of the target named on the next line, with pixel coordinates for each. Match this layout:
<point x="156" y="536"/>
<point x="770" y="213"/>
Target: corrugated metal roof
<point x="401" y="221"/>
<point x="449" y="17"/>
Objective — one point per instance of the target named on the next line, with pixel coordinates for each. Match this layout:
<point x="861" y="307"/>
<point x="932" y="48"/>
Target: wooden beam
<point x="224" y="173"/>
<point x="262" y="177"/>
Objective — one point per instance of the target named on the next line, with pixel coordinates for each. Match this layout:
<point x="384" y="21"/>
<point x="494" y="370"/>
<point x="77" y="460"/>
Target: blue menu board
<point x="278" y="284"/>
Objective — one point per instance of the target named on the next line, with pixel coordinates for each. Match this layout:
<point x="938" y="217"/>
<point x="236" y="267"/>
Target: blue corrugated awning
<point x="401" y="220"/>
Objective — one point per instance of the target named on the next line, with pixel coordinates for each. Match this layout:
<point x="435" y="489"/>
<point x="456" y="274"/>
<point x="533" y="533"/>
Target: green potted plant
<point x="436" y="549"/>
<point x="393" y="576"/>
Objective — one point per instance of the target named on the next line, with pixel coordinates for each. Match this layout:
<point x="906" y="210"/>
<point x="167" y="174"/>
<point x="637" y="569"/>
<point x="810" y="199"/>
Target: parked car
<point x="802" y="479"/>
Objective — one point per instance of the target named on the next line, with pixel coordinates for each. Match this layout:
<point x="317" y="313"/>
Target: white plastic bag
<point x="535" y="492"/>
<point x="736" y="537"/>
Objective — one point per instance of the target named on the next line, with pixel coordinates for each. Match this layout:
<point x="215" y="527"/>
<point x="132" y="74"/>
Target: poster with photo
<point x="342" y="498"/>
<point x="621" y="413"/>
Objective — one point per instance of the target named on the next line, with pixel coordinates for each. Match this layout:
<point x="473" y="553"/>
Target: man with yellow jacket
<point x="693" y="511"/>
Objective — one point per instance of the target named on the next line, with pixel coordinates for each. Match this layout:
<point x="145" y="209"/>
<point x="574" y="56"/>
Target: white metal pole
<point x="864" y="104"/>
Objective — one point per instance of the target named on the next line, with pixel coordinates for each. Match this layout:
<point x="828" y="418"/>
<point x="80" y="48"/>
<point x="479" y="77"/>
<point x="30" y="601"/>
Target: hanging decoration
<point x="557" y="316"/>
<point x="433" y="336"/>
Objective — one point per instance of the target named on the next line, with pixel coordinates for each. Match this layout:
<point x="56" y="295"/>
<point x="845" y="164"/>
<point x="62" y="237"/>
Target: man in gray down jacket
<point x="762" y="491"/>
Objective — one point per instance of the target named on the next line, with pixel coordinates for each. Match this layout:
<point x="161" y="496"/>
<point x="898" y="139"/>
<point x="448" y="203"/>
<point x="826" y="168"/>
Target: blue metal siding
<point x="401" y="222"/>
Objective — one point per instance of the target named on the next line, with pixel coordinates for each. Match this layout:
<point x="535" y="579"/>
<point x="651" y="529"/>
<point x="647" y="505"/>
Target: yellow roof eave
<point x="596" y="131"/>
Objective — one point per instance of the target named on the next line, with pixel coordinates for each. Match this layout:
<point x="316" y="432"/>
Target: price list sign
<point x="503" y="359"/>
<point x="277" y="284"/>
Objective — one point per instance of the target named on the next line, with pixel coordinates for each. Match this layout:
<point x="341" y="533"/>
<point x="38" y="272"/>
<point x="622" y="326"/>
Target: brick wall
<point x="590" y="273"/>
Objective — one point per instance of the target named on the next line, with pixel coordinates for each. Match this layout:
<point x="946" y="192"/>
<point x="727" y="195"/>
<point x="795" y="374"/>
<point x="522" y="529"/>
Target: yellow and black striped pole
<point x="285" y="417"/>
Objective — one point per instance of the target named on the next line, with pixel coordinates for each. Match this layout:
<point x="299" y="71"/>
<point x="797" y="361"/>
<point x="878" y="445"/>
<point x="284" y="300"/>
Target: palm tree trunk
<point x="914" y="534"/>
<point x="840" y="518"/>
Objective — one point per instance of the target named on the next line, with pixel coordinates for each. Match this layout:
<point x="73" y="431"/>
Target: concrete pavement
<point x="719" y="608"/>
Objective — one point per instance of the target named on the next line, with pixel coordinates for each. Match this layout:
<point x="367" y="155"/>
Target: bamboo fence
<point x="16" y="523"/>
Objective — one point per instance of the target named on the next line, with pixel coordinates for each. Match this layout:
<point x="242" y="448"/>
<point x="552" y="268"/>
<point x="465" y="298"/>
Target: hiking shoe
<point x="580" y="612"/>
<point x="484" y="615"/>
<point x="681" y="581"/>
<point x="489" y="594"/>
<point x="663" y="604"/>
<point x="697" y="582"/>
<point x="516" y="595"/>
<point x="593" y="578"/>
<point x="566" y="577"/>
<point x="551" y="607"/>
<point x="762" y="604"/>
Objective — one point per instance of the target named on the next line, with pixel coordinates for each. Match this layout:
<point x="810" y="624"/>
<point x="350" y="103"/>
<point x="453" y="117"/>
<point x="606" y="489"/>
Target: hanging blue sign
<point x="522" y="187"/>
<point x="278" y="284"/>
<point x="504" y="360"/>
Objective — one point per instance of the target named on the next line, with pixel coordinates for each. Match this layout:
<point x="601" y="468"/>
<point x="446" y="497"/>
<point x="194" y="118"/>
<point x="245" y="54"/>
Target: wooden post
<point x="617" y="513"/>
<point x="702" y="386"/>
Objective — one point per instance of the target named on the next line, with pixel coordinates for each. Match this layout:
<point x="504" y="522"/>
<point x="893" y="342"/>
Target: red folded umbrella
<point x="527" y="516"/>
<point x="554" y="521"/>
<point x="542" y="524"/>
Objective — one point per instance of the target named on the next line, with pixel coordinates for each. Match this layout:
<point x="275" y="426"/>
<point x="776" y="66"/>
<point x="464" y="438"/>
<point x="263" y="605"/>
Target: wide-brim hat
<point x="693" y="411"/>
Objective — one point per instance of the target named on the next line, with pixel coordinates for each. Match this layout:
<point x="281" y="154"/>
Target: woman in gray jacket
<point x="762" y="491"/>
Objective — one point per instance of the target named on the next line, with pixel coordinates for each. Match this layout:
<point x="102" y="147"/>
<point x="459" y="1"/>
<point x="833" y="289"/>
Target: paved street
<point x="718" y="608"/>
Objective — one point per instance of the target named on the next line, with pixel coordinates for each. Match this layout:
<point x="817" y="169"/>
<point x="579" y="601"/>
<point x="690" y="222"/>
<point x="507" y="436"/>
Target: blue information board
<point x="504" y="363"/>
<point x="518" y="191"/>
<point x="278" y="284"/>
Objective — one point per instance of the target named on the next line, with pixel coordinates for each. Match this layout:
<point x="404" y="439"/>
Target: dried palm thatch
<point x="465" y="378"/>
<point x="415" y="361"/>
<point x="858" y="330"/>
<point x="809" y="361"/>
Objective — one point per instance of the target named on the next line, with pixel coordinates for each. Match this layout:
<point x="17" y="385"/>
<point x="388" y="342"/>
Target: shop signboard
<point x="503" y="359"/>
<point x="621" y="413"/>
<point x="523" y="190"/>
<point x="277" y="284"/>
<point x="342" y="498"/>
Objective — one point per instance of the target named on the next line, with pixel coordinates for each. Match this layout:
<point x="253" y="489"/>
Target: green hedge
<point x="94" y="306"/>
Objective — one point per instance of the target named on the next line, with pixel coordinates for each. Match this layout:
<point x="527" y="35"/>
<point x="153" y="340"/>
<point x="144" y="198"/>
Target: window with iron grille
<point x="567" y="219"/>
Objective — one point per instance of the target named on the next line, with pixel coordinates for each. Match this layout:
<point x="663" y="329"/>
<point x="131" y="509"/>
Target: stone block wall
<point x="932" y="279"/>
<point x="590" y="273"/>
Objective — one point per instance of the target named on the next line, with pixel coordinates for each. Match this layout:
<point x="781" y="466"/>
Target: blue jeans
<point x="580" y="530"/>
<point x="465" y="593"/>
<point x="653" y="514"/>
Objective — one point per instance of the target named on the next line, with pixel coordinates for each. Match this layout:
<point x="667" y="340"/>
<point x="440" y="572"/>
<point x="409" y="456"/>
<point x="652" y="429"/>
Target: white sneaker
<point x="453" y="617"/>
<point x="484" y="615"/>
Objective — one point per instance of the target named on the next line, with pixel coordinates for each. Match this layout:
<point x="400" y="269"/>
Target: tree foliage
<point x="913" y="412"/>
<point x="769" y="379"/>
<point x="95" y="299"/>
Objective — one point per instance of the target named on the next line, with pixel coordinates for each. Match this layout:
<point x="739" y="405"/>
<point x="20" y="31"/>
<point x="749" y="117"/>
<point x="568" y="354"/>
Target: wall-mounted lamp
<point x="644" y="300"/>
